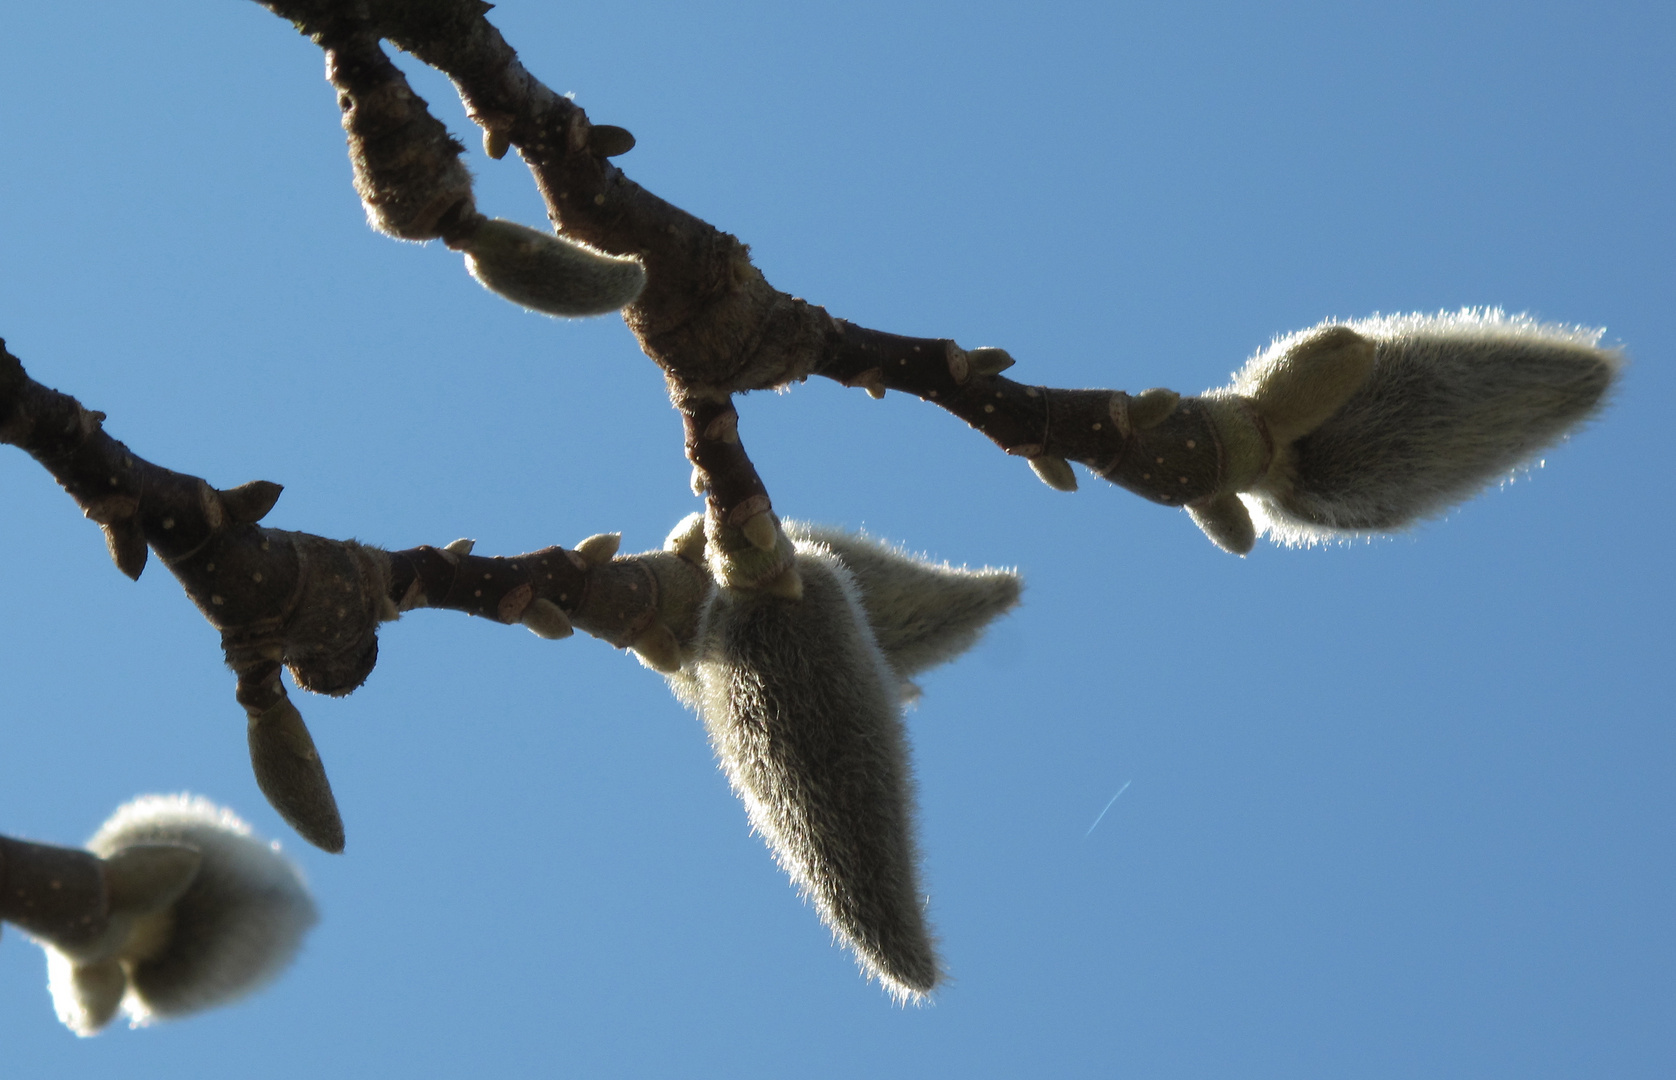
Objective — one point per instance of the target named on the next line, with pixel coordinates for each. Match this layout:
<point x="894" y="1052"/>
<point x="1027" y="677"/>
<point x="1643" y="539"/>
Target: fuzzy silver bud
<point x="922" y="613"/>
<point x="1449" y="404"/>
<point x="202" y="913"/>
<point x="547" y="273"/>
<point x="802" y="710"/>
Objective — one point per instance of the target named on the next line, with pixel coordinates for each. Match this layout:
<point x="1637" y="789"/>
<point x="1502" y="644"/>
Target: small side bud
<point x="249" y="503"/>
<point x="989" y="361"/>
<point x="1118" y="410"/>
<point x="86" y="996"/>
<point x="687" y="539"/>
<point x="1054" y="471"/>
<point x="657" y="648"/>
<point x="734" y="557"/>
<point x="1311" y="381"/>
<point x="496" y="143"/>
<point x="1149" y="408"/>
<point x="462" y="546"/>
<point x="1227" y="522"/>
<point x="609" y="140"/>
<point x="762" y="531"/>
<point x="724" y="428"/>
<point x="289" y="772"/>
<point x="545" y="619"/>
<point x="547" y="273"/>
<point x="872" y="380"/>
<point x="125" y="540"/>
<point x="599" y="548"/>
<point x="960" y="368"/>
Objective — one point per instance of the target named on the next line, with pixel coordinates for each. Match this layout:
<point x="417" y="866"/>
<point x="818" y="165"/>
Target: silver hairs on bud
<point x="232" y="930"/>
<point x="1454" y="402"/>
<point x="548" y="273"/>
<point x="802" y="710"/>
<point x="922" y="613"/>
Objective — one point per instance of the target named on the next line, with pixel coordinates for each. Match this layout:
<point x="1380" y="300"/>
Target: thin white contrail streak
<point x="1102" y="816"/>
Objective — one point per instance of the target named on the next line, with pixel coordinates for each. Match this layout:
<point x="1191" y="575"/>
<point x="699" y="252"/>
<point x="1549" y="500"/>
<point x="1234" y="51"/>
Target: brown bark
<point x="54" y="893"/>
<point x="288" y="599"/>
<point x="710" y="319"/>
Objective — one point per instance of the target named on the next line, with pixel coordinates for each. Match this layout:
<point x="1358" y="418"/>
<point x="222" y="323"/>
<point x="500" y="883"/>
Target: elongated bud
<point x="922" y="613"/>
<point x="547" y="273"/>
<point x="546" y="619"/>
<point x="989" y="361"/>
<point x="1053" y="471"/>
<point x="202" y="913"/>
<point x="290" y="773"/>
<point x="125" y="540"/>
<point x="609" y="140"/>
<point x="802" y="710"/>
<point x="1445" y="405"/>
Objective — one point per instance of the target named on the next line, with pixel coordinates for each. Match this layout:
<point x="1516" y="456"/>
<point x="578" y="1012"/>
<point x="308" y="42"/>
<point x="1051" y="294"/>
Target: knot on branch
<point x="715" y="325"/>
<point x="326" y="630"/>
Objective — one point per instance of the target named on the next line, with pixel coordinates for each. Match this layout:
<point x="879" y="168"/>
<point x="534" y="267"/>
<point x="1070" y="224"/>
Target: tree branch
<point x="715" y="326"/>
<point x="310" y="603"/>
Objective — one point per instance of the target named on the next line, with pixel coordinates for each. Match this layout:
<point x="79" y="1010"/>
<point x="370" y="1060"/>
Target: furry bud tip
<point x="202" y="912"/>
<point x="290" y="774"/>
<point x="547" y="273"/>
<point x="1423" y="414"/>
<point x="803" y="711"/>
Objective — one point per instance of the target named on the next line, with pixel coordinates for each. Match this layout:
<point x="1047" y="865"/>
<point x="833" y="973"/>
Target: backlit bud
<point x="802" y="709"/>
<point x="202" y="913"/>
<point x="1423" y="414"/>
<point x="549" y="274"/>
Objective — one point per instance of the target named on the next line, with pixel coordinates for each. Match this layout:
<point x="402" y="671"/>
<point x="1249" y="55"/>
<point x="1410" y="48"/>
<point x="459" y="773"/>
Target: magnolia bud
<point x="802" y="710"/>
<point x="549" y="274"/>
<point x="201" y="913"/>
<point x="1445" y="405"/>
<point x="922" y="613"/>
<point x="291" y="775"/>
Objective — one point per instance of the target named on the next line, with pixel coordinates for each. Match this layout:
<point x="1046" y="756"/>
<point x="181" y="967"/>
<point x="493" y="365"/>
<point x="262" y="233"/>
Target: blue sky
<point x="1395" y="809"/>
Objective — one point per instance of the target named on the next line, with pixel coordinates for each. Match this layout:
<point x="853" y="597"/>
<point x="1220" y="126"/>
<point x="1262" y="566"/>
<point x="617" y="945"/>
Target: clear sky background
<point x="1394" y="809"/>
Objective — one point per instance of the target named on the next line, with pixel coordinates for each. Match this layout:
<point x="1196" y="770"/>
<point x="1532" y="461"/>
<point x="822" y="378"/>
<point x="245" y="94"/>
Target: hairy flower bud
<point x="1448" y="404"/>
<point x="802" y="710"/>
<point x="549" y="274"/>
<point x="921" y="613"/>
<point x="202" y="912"/>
